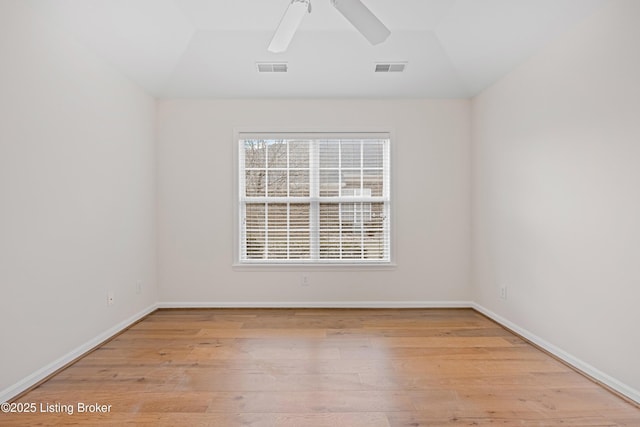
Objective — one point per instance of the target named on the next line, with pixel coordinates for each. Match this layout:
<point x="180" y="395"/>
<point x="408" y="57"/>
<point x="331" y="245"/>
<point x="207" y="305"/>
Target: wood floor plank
<point x="322" y="367"/>
<point x="311" y="401"/>
<point x="440" y="342"/>
<point x="161" y="419"/>
<point x="262" y="333"/>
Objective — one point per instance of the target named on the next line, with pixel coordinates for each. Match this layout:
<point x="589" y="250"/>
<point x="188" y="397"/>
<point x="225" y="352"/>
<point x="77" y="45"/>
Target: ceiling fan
<point x="354" y="10"/>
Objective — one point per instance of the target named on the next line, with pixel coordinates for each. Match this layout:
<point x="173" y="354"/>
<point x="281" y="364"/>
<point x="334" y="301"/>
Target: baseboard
<point x="585" y="368"/>
<point x="42" y="373"/>
<point x="319" y="304"/>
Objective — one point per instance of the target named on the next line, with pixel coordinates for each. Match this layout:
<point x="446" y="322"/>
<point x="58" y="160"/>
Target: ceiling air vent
<point x="272" y="67"/>
<point x="390" y="67"/>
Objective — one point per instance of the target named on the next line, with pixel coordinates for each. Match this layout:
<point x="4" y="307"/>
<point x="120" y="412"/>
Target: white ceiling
<point x="208" y="48"/>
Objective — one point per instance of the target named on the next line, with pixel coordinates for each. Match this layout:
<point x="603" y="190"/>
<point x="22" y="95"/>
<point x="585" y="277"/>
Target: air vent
<point x="390" y="67"/>
<point x="272" y="67"/>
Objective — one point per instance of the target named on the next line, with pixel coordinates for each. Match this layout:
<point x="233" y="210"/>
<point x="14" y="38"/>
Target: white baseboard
<point x="319" y="304"/>
<point x="42" y="373"/>
<point x="580" y="365"/>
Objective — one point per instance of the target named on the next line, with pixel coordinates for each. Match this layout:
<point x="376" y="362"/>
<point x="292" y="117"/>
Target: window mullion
<point x="266" y="231"/>
<point x="314" y="206"/>
<point x="361" y="221"/>
<point x="288" y="205"/>
<point x="266" y="170"/>
<point x="243" y="231"/>
<point x="340" y="200"/>
<point x="241" y="205"/>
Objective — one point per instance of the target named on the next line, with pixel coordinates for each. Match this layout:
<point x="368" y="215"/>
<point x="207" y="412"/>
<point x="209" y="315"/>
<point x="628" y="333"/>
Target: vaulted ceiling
<point x="209" y="48"/>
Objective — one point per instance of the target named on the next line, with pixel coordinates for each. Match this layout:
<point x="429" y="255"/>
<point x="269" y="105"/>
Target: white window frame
<point x="314" y="199"/>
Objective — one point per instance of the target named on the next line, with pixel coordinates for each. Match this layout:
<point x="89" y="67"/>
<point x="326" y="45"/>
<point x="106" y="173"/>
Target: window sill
<point x="314" y="267"/>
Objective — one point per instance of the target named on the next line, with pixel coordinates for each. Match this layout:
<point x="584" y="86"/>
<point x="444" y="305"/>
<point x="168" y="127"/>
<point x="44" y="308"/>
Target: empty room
<point x="320" y="212"/>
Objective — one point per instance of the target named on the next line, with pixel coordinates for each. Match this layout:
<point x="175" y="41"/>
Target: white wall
<point x="77" y="196"/>
<point x="556" y="195"/>
<point x="195" y="201"/>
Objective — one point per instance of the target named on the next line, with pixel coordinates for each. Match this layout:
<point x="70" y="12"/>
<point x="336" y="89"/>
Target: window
<point x="314" y="198"/>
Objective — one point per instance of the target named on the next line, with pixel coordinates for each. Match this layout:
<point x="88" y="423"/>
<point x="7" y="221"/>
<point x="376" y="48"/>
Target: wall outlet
<point x="503" y="292"/>
<point x="139" y="287"/>
<point x="110" y="298"/>
<point x="305" y="281"/>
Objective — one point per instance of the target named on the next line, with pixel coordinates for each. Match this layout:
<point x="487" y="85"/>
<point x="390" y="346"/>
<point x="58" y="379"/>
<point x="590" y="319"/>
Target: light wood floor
<point x="294" y="367"/>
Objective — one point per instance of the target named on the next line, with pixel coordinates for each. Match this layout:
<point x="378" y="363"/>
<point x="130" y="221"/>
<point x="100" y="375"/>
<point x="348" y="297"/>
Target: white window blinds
<point x="314" y="198"/>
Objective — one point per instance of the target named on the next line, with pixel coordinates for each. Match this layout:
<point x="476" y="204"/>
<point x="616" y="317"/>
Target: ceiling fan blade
<point x="363" y="19"/>
<point x="289" y="25"/>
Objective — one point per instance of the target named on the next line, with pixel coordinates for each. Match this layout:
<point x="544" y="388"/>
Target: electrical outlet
<point x="139" y="287"/>
<point x="305" y="280"/>
<point x="110" y="298"/>
<point x="503" y="292"/>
